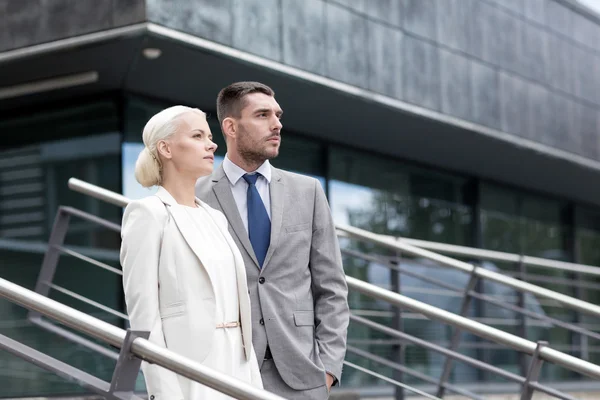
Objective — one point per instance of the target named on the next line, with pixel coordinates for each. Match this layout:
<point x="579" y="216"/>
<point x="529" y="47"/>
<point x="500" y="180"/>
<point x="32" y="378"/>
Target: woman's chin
<point x="205" y="172"/>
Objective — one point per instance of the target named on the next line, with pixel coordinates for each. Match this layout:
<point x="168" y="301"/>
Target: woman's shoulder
<point x="148" y="207"/>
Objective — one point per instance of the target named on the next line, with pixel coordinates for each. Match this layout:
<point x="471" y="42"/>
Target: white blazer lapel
<point x="186" y="227"/>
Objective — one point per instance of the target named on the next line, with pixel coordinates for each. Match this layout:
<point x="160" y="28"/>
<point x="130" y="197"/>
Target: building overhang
<point x="191" y="70"/>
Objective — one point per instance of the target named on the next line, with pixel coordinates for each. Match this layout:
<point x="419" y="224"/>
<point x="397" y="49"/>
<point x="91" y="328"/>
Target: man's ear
<point x="229" y="128"/>
<point x="163" y="148"/>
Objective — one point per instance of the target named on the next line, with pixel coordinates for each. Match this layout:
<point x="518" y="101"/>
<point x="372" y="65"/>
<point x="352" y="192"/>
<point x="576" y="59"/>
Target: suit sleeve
<point x="140" y="251"/>
<point x="330" y="291"/>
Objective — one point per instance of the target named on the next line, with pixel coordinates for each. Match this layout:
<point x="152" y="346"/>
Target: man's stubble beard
<point x="253" y="156"/>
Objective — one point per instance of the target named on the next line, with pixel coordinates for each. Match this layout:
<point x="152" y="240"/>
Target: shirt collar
<point x="234" y="173"/>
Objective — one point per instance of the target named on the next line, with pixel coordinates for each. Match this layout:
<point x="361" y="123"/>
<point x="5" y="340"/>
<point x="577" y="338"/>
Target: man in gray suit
<point x="283" y="226"/>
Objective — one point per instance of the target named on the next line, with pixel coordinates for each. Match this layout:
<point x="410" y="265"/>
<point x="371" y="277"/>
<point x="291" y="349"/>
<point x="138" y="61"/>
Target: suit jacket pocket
<point x="304" y="318"/>
<point x="172" y="310"/>
<point x="298" y="227"/>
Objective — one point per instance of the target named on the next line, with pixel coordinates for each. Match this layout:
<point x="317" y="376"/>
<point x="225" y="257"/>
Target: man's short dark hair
<point x="230" y="100"/>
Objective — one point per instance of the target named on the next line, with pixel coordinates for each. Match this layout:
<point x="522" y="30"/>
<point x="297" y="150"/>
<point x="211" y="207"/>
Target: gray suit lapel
<point x="222" y="190"/>
<point x="277" y="190"/>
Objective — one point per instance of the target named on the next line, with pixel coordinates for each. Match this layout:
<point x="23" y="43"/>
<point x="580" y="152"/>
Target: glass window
<point x="138" y="112"/>
<point x="66" y="121"/>
<point x="82" y="142"/>
<point x="386" y="196"/>
<point x="524" y="224"/>
<point x="302" y="155"/>
<point x="588" y="246"/>
<point x="297" y="154"/>
<point x="515" y="222"/>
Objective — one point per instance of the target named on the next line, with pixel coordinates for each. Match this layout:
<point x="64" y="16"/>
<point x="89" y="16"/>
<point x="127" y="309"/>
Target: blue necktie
<point x="259" y="224"/>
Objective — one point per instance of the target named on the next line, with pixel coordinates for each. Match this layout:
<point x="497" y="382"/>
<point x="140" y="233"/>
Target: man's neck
<point x="246" y="165"/>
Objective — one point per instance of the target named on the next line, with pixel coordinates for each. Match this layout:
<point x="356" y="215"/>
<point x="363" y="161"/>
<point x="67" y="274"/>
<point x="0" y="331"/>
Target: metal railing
<point x="400" y="246"/>
<point x="131" y="344"/>
<point x="56" y="249"/>
<point x="539" y="351"/>
<point x="45" y="284"/>
<point x="419" y="248"/>
<point x="492" y="255"/>
<point x="469" y="292"/>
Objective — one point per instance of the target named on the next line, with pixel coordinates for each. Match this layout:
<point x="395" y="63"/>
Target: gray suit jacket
<point x="301" y="308"/>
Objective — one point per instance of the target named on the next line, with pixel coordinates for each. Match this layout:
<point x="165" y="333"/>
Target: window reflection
<point x="81" y="142"/>
<point x="131" y="188"/>
<point x="515" y="222"/>
<point x="385" y="196"/>
<point x="588" y="246"/>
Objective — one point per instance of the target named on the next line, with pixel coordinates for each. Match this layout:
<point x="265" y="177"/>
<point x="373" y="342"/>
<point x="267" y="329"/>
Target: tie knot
<point x="251" y="178"/>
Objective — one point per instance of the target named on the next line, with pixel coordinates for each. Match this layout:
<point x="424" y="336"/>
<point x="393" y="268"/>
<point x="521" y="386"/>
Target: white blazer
<point x="167" y="289"/>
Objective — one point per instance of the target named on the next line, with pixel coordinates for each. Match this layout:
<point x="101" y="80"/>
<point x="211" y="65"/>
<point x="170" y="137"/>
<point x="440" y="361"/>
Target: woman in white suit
<point x="184" y="277"/>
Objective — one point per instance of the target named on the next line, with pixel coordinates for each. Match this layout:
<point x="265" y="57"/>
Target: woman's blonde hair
<point x="148" y="168"/>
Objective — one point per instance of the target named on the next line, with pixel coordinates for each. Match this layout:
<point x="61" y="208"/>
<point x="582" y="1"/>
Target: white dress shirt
<point x="239" y="186"/>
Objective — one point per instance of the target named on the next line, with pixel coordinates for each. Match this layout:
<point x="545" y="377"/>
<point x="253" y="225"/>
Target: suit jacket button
<point x="262" y="321"/>
<point x="261" y="280"/>
<point x="151" y="397"/>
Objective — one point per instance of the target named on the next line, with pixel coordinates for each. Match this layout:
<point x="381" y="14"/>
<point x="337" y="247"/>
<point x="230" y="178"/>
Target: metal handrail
<point x="397" y="245"/>
<point x="122" y="201"/>
<point x="140" y="347"/>
<point x="401" y="246"/>
<point x="458" y="291"/>
<point x="98" y="192"/>
<point x="476" y="328"/>
<point x="500" y="256"/>
<point x="60" y="227"/>
<point x="462" y="323"/>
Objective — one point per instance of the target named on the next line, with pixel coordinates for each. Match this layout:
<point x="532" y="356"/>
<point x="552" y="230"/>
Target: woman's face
<point x="191" y="148"/>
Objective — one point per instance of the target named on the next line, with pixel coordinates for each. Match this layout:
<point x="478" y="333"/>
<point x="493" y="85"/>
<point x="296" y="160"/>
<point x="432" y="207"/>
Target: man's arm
<point x="330" y="291"/>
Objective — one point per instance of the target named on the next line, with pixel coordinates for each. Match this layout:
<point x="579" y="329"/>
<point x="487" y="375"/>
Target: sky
<point x="593" y="4"/>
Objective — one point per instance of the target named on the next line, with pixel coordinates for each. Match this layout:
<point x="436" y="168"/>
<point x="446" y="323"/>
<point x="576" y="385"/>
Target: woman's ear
<point x="163" y="148"/>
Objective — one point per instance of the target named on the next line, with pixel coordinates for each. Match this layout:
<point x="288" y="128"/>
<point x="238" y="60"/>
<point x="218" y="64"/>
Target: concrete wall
<point x="530" y="68"/>
<point x="526" y="67"/>
<point x="29" y="22"/>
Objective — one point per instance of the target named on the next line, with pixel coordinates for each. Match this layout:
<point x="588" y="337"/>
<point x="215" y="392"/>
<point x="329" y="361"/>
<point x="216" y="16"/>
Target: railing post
<point x="455" y="341"/>
<point x="50" y="262"/>
<point x="397" y="349"/>
<point x="533" y="374"/>
<point x="522" y="327"/>
<point x="125" y="375"/>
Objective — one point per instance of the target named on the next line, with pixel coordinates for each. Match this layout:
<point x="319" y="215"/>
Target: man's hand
<point x="329" y="379"/>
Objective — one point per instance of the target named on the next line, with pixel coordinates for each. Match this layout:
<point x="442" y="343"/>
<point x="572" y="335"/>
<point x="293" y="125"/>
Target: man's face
<point x="259" y="128"/>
